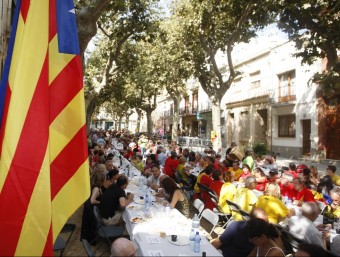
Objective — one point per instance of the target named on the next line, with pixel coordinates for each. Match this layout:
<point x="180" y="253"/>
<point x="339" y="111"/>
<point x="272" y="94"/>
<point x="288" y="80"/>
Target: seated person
<point x="183" y="170"/>
<point x="331" y="169"/>
<point x="153" y="180"/>
<point x="138" y="162"/>
<point x="261" y="179"/>
<point x="228" y="191"/>
<point x="246" y="172"/>
<point x="234" y="241"/>
<point x="245" y="197"/>
<point x="150" y="160"/>
<point x="323" y="190"/>
<point x="175" y="196"/>
<point x="204" y="178"/>
<point x="302" y="226"/>
<point x="333" y="210"/>
<point x="302" y="194"/>
<point x="123" y="247"/>
<point x="262" y="234"/>
<point x="216" y="183"/>
<point x="292" y="170"/>
<point x="171" y="164"/>
<point x="114" y="200"/>
<point x="237" y="170"/>
<point x="286" y="186"/>
<point x="270" y="202"/>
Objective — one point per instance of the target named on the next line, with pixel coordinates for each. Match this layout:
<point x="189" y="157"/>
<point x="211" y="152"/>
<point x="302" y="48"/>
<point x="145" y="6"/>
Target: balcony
<point x="206" y="107"/>
<point x="185" y="111"/>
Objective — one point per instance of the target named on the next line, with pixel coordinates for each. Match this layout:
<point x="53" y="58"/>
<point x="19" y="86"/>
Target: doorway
<point x="306" y="131"/>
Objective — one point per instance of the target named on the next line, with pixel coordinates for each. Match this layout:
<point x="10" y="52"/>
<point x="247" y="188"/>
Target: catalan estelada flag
<point x="44" y="175"/>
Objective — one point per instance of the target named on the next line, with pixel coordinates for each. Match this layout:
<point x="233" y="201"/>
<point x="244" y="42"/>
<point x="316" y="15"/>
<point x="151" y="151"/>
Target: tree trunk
<point x="127" y="121"/>
<point x="149" y="120"/>
<point x="175" y="120"/>
<point x="216" y="123"/>
<point x="90" y="105"/>
<point x="139" y="113"/>
<point x="120" y="123"/>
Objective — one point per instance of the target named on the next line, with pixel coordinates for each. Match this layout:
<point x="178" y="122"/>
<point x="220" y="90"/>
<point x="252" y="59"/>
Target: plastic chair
<point x="87" y="248"/>
<point x="199" y="205"/>
<point x="234" y="207"/>
<point x="211" y="217"/>
<point x="63" y="238"/>
<point x="107" y="232"/>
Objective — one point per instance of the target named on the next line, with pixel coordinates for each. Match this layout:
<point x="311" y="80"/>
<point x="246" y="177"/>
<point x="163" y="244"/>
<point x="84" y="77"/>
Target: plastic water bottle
<point x="147" y="199"/>
<point x="195" y="222"/>
<point x="197" y="243"/>
<point x="192" y="239"/>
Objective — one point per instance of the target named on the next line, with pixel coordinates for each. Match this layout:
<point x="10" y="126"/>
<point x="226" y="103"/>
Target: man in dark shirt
<point x="113" y="201"/>
<point x="234" y="241"/>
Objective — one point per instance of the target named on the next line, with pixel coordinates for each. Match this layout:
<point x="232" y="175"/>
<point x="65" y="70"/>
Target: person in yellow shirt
<point x="138" y="162"/>
<point x="228" y="191"/>
<point x="245" y="197"/>
<point x="272" y="205"/>
<point x="331" y="169"/>
<point x="237" y="170"/>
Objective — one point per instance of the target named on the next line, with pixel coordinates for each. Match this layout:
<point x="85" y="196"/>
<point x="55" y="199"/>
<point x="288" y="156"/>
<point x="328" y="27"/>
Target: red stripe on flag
<point x="49" y="244"/>
<point x="25" y="166"/>
<point x="4" y="116"/>
<point x="53" y="20"/>
<point x="68" y="161"/>
<point x="65" y="86"/>
<point x="25" y="5"/>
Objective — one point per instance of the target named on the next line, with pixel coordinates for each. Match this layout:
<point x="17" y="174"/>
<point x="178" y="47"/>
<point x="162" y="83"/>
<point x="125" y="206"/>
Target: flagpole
<point x="5" y="21"/>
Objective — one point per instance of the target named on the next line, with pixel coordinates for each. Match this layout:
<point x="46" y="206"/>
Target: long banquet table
<point x="153" y="234"/>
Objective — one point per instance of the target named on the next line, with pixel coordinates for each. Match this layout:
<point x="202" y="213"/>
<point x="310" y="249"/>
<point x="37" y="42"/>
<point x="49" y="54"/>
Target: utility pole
<point x="5" y="27"/>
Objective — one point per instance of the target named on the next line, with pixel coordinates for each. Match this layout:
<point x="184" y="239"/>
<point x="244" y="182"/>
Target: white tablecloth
<point x="152" y="235"/>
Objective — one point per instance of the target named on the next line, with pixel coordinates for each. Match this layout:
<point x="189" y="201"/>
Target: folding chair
<point x="107" y="232"/>
<point x="63" y="238"/>
<point x="211" y="217"/>
<point x="199" y="206"/>
<point x="185" y="186"/>
<point x="234" y="207"/>
<point x="291" y="239"/>
<point x="218" y="210"/>
<point x="87" y="248"/>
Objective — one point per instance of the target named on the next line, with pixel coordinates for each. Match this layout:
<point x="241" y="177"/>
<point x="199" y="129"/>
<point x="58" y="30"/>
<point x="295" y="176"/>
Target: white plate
<point x="137" y="220"/>
<point x="181" y="240"/>
<point x="139" y="201"/>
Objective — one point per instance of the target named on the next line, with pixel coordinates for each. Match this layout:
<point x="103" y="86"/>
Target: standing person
<point x="249" y="159"/>
<point x="262" y="235"/>
<point x="143" y="140"/>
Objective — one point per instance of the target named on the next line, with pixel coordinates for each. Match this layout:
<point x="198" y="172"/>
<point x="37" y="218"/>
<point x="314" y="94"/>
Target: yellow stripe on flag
<point x="38" y="218"/>
<point x="67" y="201"/>
<point x="66" y="125"/>
<point x="25" y="70"/>
<point x="58" y="60"/>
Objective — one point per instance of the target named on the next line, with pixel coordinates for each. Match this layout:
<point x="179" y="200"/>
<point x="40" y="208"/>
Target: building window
<point x="287" y="125"/>
<point x="255" y="79"/>
<point x="195" y="103"/>
<point x="287" y="86"/>
<point x="187" y="104"/>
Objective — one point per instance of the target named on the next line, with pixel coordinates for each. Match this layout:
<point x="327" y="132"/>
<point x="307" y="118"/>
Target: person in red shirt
<point x="206" y="180"/>
<point x="171" y="164"/>
<point x="261" y="179"/>
<point x="129" y="153"/>
<point x="286" y="186"/>
<point x="302" y="194"/>
<point x="292" y="170"/>
<point x="217" y="182"/>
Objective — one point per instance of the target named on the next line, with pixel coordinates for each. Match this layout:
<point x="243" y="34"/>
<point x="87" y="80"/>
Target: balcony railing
<point x="206" y="107"/>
